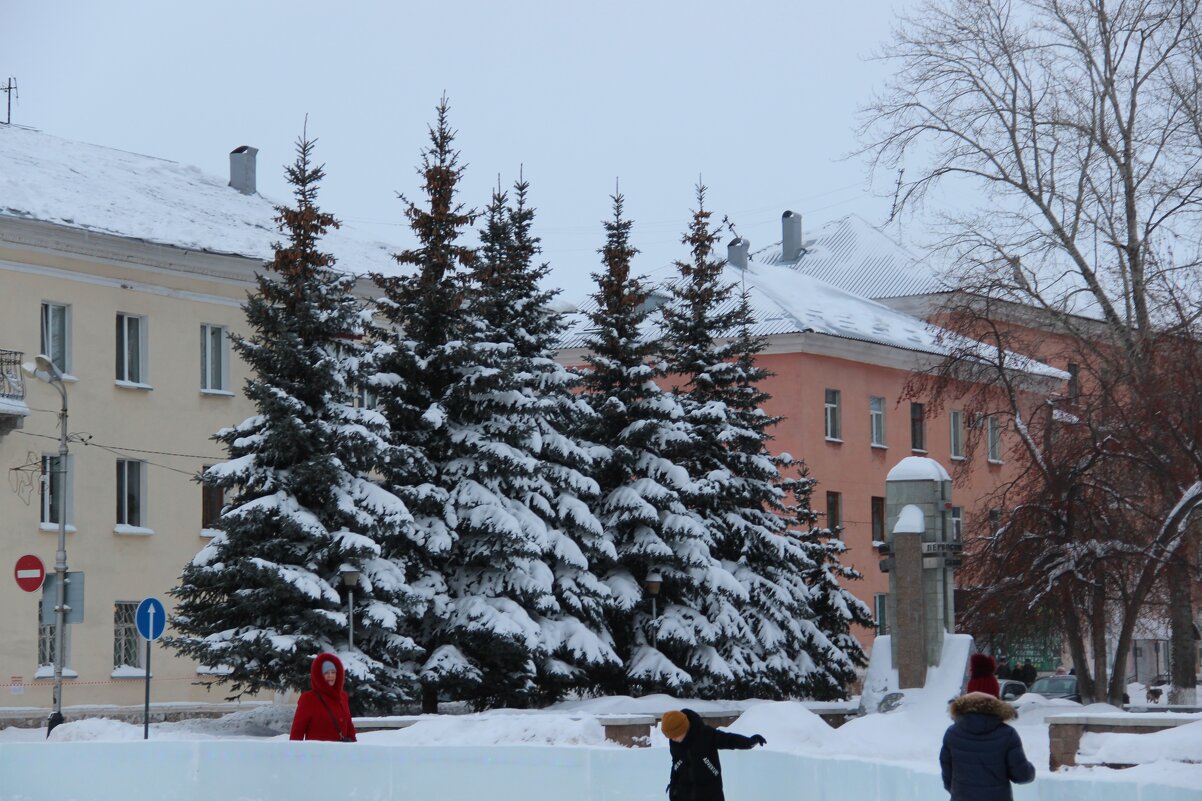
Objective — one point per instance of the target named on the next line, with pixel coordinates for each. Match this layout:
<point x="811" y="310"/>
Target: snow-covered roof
<point x="785" y="301"/>
<point x="854" y="255"/>
<point x="79" y="185"/>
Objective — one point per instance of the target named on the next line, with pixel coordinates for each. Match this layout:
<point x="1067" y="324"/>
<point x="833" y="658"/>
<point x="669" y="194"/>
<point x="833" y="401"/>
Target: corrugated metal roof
<point x="853" y="255"/>
<point x="786" y="301"/>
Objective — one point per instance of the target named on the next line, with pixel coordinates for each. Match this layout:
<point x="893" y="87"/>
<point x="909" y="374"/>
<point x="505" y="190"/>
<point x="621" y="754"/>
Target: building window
<point x="56" y="335"/>
<point x="1074" y="385"/>
<point x="127" y="644"/>
<point x="834" y="510"/>
<point x="131" y="493"/>
<point x="46" y="643"/>
<point x="212" y="500"/>
<point x="957" y="523"/>
<point x="957" y="433"/>
<point x="214" y="361"/>
<point x="56" y="490"/>
<point x="834" y="428"/>
<point x="994" y="431"/>
<point x="876" y="419"/>
<point x="131" y="349"/>
<point x="880" y="603"/>
<point x="918" y="434"/>
<point x="878" y="519"/>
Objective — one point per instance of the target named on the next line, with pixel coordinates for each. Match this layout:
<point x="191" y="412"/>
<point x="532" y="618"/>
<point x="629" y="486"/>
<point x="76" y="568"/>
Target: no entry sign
<point x="30" y="573"/>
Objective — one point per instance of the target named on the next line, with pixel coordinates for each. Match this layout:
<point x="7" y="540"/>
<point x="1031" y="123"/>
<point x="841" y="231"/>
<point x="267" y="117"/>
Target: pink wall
<point x="853" y="467"/>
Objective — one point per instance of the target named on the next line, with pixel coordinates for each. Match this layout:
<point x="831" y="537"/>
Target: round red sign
<point x="30" y="573"/>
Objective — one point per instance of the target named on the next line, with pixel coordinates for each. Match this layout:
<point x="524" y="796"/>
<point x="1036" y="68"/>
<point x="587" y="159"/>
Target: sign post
<point x="151" y="619"/>
<point x="29" y="573"/>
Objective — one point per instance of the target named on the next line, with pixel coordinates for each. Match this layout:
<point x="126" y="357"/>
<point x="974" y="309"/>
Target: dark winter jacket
<point x="981" y="755"/>
<point x="696" y="771"/>
<point x="323" y="713"/>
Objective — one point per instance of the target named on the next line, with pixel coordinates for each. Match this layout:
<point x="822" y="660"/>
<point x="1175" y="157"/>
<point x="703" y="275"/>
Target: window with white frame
<point x="834" y="510"/>
<point x="131" y="493"/>
<point x="131" y="349"/>
<point x="56" y="334"/>
<point x="994" y="431"/>
<point x="957" y="523"/>
<point x="876" y="419"/>
<point x="214" y="358"/>
<point x="127" y="643"/>
<point x="918" y="427"/>
<point x="833" y="414"/>
<point x="212" y="501"/>
<point x="56" y="489"/>
<point x="956" y="421"/>
<point x="47" y="644"/>
<point x="880" y="604"/>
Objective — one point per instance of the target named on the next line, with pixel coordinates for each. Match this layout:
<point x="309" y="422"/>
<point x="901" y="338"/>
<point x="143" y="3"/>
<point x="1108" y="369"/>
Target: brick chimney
<point x="790" y="244"/>
<point x="242" y="169"/>
<point x="736" y="252"/>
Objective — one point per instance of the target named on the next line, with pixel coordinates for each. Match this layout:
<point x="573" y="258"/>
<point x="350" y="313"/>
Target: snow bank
<point x="248" y="769"/>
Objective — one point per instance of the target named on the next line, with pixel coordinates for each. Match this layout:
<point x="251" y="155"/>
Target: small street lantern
<point x="652" y="584"/>
<point x="350" y="577"/>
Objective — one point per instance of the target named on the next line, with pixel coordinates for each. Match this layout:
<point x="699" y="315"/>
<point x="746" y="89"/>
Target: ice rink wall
<point x="249" y="770"/>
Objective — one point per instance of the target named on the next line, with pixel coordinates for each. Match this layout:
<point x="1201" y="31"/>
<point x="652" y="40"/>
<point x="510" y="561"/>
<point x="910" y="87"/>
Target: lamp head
<point x="350" y="576"/>
<point x="43" y="368"/>
<point x="652" y="582"/>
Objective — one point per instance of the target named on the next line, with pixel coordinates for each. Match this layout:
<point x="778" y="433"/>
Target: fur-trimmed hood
<point x="981" y="703"/>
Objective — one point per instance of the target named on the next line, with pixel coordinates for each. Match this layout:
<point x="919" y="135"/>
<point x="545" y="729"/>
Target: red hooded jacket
<point x="312" y="720"/>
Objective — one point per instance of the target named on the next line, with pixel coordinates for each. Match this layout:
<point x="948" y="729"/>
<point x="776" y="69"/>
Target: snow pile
<point x="496" y="728"/>
<point x="1180" y="744"/>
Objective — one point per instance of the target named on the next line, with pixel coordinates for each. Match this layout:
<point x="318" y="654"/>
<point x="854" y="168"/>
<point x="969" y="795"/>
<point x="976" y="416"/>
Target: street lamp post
<point x="350" y="577"/>
<point x="652" y="584"/>
<point x="44" y="369"/>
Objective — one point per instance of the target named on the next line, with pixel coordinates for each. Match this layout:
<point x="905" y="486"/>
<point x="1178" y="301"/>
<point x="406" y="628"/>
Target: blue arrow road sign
<point x="151" y="618"/>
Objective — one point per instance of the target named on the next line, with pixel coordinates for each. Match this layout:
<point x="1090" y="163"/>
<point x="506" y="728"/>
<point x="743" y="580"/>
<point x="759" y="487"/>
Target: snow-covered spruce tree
<point x="447" y="391"/>
<point x="642" y="430"/>
<point x="262" y="598"/>
<point x="522" y="400"/>
<point x="711" y="356"/>
<point x="831" y="649"/>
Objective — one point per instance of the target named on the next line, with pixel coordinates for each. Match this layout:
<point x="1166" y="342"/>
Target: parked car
<point x="1057" y="687"/>
<point x="1011" y="688"/>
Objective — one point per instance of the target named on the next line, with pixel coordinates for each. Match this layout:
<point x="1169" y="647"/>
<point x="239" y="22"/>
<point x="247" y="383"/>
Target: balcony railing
<point x="12" y="382"/>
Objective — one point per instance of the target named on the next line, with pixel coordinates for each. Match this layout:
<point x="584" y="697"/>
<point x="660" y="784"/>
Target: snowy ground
<point x="909" y="736"/>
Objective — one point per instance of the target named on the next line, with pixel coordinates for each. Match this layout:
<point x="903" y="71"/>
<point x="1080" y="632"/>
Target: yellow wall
<point x="174" y="419"/>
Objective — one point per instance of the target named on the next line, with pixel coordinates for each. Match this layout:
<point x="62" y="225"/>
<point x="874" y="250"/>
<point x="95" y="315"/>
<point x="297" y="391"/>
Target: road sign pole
<point x="146" y="706"/>
<point x="150" y="619"/>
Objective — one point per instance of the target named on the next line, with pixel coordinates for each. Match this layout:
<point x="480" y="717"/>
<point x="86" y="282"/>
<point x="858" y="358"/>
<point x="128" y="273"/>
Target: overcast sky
<point x="758" y="98"/>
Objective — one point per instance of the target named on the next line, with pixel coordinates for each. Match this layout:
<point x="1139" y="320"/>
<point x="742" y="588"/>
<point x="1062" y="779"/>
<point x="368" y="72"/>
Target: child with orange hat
<point x="696" y="771"/>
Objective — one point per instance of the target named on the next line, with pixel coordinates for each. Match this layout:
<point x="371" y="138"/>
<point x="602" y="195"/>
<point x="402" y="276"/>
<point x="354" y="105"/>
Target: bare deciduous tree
<point x="1076" y="125"/>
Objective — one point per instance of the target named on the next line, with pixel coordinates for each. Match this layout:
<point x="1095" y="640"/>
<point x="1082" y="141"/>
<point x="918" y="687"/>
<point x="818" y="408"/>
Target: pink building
<point x="841" y="360"/>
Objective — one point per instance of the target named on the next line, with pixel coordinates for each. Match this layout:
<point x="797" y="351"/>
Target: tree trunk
<point x="1076" y="643"/>
<point x="1097" y="635"/>
<point x="429" y="700"/>
<point x="1183" y="647"/>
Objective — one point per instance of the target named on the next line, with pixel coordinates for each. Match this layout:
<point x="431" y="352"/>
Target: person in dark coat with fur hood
<point x="696" y="771"/>
<point x="981" y="754"/>
<point x="324" y="713"/>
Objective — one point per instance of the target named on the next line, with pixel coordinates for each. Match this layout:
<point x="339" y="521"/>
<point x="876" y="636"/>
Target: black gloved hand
<point x="758" y="739"/>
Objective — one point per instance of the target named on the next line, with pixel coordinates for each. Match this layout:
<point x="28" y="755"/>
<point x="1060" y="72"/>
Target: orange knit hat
<point x="674" y="723"/>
